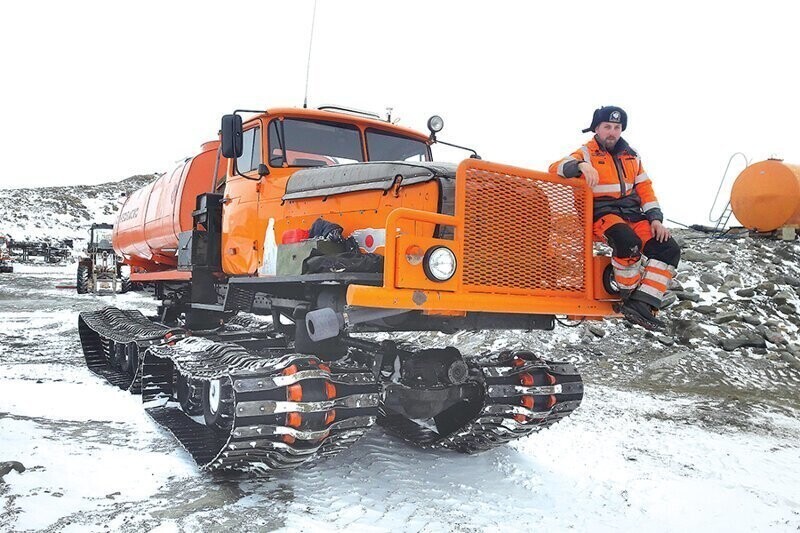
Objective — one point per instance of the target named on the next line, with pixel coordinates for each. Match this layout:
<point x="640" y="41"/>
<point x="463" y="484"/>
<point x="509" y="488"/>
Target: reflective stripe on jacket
<point x="624" y="188"/>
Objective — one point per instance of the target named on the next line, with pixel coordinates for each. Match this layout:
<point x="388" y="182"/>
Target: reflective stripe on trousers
<point x="627" y="272"/>
<point x="657" y="275"/>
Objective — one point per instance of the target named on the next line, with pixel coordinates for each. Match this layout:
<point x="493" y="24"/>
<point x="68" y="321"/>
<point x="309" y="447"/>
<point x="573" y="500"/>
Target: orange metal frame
<point x="458" y="297"/>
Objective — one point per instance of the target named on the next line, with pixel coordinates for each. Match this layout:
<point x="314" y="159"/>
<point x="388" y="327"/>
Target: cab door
<point x="240" y="235"/>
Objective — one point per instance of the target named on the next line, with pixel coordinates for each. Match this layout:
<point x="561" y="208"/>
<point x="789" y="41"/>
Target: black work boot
<point x="642" y="314"/>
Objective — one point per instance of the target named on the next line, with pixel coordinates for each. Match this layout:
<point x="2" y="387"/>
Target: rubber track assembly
<point x="523" y="394"/>
<point x="275" y="410"/>
<point x="238" y="397"/>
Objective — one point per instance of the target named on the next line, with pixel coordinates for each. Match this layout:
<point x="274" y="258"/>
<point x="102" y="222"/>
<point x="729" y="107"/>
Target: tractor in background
<point x="5" y="257"/>
<point x="100" y="270"/>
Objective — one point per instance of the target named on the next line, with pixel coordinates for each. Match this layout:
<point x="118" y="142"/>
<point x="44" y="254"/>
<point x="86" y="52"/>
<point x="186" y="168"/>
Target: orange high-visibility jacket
<point x="624" y="188"/>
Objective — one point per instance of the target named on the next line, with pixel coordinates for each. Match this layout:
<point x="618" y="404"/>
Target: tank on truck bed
<point x="331" y="224"/>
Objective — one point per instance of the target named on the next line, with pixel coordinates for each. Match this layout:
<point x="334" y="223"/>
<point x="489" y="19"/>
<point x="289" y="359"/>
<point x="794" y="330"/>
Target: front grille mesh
<point x="522" y="235"/>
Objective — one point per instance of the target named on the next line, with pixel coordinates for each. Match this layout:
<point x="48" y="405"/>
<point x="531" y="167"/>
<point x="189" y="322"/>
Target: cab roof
<point x="338" y="116"/>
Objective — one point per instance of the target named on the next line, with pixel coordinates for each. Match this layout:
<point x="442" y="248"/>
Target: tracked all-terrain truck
<point x="333" y="224"/>
<point x="100" y="271"/>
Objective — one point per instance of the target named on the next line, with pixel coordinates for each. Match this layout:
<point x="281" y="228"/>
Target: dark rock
<point x="706" y="309"/>
<point x="791" y="359"/>
<point x="666" y="340"/>
<point x="746" y="293"/>
<point x="597" y="331"/>
<point x="728" y="286"/>
<point x="786" y="253"/>
<point x="775" y="277"/>
<point x="772" y="336"/>
<point x="733" y="278"/>
<point x="691" y="296"/>
<point x="680" y="306"/>
<point x="701" y="257"/>
<point x="782" y="298"/>
<point x="685" y="330"/>
<point x="787" y="309"/>
<point x="752" y="320"/>
<point x="711" y="279"/>
<point x="8" y="466"/>
<point x="768" y="288"/>
<point x="791" y="280"/>
<point x="724" y="318"/>
<point x="731" y="344"/>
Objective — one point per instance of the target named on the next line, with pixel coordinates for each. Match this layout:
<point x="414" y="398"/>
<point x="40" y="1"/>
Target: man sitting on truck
<point x="627" y="216"/>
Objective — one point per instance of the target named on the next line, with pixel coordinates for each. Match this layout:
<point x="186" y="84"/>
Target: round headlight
<point x="435" y="123"/>
<point x="439" y="263"/>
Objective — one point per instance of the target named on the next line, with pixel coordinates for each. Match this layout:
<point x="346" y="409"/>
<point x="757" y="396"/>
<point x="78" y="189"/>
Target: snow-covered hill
<point x="56" y="213"/>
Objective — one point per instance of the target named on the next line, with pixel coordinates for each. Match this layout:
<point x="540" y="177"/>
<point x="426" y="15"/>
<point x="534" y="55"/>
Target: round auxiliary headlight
<point x="435" y="123"/>
<point x="440" y="263"/>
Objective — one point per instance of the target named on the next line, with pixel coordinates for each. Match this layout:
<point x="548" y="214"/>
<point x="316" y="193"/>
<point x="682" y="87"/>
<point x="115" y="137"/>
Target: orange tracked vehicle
<point x="335" y="223"/>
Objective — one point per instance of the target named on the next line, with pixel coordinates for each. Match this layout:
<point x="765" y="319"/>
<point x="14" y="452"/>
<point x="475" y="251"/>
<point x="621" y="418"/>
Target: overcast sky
<point x="99" y="91"/>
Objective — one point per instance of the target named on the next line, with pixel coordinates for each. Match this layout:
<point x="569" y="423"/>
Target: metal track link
<point x="280" y="413"/>
<point x="523" y="394"/>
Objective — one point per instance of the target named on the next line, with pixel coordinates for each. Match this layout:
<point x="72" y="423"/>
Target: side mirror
<point x="232" y="142"/>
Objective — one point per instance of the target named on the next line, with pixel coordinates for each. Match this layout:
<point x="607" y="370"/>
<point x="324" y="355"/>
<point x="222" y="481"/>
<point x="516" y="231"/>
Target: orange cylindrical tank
<point x="766" y="196"/>
<point x="148" y="224"/>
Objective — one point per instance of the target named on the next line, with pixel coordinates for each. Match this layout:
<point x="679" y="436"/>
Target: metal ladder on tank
<point x="722" y="221"/>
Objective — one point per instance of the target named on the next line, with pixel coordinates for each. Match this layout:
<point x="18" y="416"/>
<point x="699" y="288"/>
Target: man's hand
<point x="589" y="173"/>
<point x="658" y="231"/>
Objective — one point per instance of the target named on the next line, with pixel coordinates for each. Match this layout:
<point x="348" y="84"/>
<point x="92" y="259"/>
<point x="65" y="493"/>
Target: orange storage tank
<point x="766" y="196"/>
<point x="147" y="228"/>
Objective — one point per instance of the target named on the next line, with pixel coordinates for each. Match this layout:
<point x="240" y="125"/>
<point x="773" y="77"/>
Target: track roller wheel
<point x="130" y="360"/>
<point x="187" y="396"/>
<point x="217" y="399"/>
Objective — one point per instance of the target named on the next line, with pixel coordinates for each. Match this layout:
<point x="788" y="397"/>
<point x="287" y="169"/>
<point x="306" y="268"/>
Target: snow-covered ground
<point x="639" y="454"/>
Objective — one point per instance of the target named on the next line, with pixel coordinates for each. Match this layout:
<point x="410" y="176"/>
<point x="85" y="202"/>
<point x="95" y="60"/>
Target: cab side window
<point x="251" y="156"/>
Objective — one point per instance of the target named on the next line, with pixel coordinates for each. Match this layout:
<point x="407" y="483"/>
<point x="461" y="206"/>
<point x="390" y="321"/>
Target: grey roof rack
<point x="350" y="110"/>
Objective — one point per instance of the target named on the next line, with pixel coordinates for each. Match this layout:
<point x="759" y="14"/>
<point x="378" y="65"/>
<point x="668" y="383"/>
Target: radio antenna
<point x="308" y="63"/>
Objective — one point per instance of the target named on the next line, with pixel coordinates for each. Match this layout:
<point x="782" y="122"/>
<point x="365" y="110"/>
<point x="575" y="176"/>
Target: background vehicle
<point x="333" y="223"/>
<point x="5" y="257"/>
<point x="100" y="270"/>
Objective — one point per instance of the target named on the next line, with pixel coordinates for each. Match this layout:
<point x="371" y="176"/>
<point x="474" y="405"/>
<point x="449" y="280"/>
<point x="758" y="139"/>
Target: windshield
<point x="102" y="238"/>
<point x="303" y="143"/>
<point x="383" y="146"/>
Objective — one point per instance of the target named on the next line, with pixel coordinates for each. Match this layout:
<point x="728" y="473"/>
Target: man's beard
<point x="609" y="143"/>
